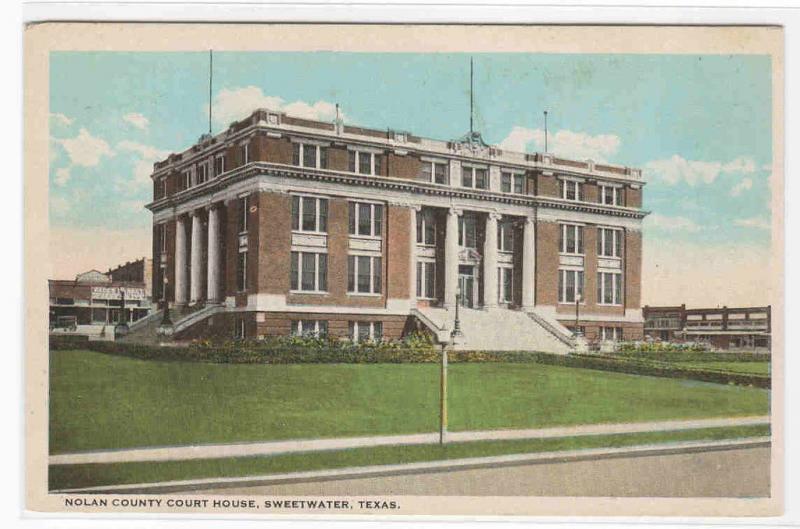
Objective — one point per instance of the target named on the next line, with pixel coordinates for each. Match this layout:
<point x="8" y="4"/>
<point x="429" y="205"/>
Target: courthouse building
<point x="284" y="225"/>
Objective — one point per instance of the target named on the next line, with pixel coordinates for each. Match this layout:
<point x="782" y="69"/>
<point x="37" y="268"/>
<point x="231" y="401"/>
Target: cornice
<point x="254" y="169"/>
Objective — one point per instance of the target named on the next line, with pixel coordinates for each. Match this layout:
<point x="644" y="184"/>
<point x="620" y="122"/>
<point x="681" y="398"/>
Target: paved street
<point x="740" y="472"/>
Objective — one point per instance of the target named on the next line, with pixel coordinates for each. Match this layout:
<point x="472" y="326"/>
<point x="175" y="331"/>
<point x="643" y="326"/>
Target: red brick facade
<point x="270" y="181"/>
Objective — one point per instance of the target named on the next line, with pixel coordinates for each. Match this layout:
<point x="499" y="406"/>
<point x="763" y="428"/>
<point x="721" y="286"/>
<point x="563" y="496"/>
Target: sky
<point x="699" y="126"/>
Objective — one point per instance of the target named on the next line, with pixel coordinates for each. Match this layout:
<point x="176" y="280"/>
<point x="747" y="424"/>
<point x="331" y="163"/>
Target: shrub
<point x="308" y="350"/>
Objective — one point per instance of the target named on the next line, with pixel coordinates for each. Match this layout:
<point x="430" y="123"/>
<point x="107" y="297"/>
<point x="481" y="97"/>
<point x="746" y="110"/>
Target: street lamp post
<point x="443" y="396"/>
<point x="121" y="329"/>
<point x="443" y="373"/>
<point x="577" y="314"/>
<point x="165" y="319"/>
<point x="457" y="323"/>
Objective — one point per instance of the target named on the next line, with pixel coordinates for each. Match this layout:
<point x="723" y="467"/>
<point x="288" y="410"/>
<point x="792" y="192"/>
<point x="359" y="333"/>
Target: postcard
<point x="390" y="270"/>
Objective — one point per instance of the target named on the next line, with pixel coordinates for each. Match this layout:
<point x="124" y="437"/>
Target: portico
<point x="198" y="256"/>
<point x="474" y="257"/>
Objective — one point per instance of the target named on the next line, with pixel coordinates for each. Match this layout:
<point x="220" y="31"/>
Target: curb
<point x="684" y="447"/>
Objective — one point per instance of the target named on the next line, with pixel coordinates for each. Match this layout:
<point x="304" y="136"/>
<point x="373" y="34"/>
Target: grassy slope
<point x="100" y="401"/>
<point x="75" y="476"/>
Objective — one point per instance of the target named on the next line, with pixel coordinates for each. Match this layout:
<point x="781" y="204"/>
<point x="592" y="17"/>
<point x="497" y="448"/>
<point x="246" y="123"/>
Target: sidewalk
<point x="178" y="453"/>
<point x="217" y="484"/>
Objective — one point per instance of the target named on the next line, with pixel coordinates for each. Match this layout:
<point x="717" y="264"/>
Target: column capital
<point x="455" y="211"/>
<point x="193" y="213"/>
<point x="494" y="215"/>
<point x="530" y="221"/>
<point x="212" y="205"/>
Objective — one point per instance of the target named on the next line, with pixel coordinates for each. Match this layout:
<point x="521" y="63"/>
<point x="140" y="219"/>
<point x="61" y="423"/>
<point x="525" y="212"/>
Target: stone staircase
<point x="497" y="330"/>
<point x="145" y="330"/>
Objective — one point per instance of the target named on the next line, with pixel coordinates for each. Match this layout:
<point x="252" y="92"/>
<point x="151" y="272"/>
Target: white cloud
<point x="759" y="223"/>
<point x="137" y="120"/>
<point x="145" y="151"/>
<point x="230" y="105"/>
<point x="61" y="119"/>
<point x="84" y="149"/>
<point x="146" y="155"/>
<point x="744" y="185"/>
<point x="670" y="224"/>
<point x="741" y="164"/>
<point x="678" y="169"/>
<point x="701" y="275"/>
<point x="62" y="176"/>
<point x="564" y="143"/>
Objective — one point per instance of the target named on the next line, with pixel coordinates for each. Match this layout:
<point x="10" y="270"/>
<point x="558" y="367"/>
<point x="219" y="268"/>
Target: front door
<point x="466" y="283"/>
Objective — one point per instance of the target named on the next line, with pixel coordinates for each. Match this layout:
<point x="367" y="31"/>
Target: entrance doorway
<point x="466" y="282"/>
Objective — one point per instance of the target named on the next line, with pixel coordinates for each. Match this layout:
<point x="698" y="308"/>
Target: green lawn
<point x="750" y="368"/>
<point x="77" y="476"/>
<point x="100" y="401"/>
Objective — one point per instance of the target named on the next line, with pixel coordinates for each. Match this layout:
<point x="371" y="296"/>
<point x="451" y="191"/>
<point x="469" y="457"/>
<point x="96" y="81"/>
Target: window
<point x="316" y="328"/>
<point x="581" y="329"/>
<point x="435" y="172"/>
<point x="309" y="272"/>
<point x="505" y="236"/>
<point x="505" y="284"/>
<point x="426" y="227"/>
<point x="219" y="165"/>
<point x="611" y="195"/>
<point x="426" y="279"/>
<point x="570" y="189"/>
<point x="162" y="238"/>
<point x="239" y="329"/>
<point x="306" y="155"/>
<point x="244" y="204"/>
<point x="65" y="301"/>
<point x="611" y="333"/>
<point x="570" y="284"/>
<point x="474" y="177"/>
<point x="202" y="173"/>
<point x="364" y="162"/>
<point x="511" y="182"/>
<point x="365" y="219"/>
<point x="244" y="152"/>
<point x="363" y="274"/>
<point x="309" y="214"/>
<point x="609" y="288"/>
<point x="365" y="331"/>
<point x="571" y="240"/>
<point x="161" y="190"/>
<point x="186" y="179"/>
<point x="241" y="271"/>
<point x="609" y="242"/>
<point x="467" y="235"/>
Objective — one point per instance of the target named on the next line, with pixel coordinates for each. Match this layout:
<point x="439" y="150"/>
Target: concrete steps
<point x="497" y="330"/>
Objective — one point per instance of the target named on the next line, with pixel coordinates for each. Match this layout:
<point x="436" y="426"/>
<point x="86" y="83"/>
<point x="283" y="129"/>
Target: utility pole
<point x="210" y="81"/>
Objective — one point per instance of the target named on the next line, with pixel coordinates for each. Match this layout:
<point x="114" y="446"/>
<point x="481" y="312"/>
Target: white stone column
<point x="214" y="275"/>
<point x="412" y="268"/>
<point x="528" y="264"/>
<point x="181" y="292"/>
<point x="196" y="281"/>
<point x="451" y="258"/>
<point x="490" y="262"/>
